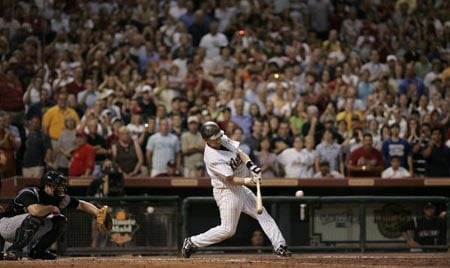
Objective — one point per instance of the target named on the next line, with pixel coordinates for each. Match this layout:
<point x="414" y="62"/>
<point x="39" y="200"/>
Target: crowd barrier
<point x="361" y="223"/>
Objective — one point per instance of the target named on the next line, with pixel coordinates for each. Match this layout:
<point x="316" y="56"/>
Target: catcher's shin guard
<point x="59" y="227"/>
<point x="26" y="232"/>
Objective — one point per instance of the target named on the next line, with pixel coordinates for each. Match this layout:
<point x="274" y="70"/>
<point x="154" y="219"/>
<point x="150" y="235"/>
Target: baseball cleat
<point x="188" y="248"/>
<point x="43" y="255"/>
<point x="11" y="255"/>
<point x="282" y="251"/>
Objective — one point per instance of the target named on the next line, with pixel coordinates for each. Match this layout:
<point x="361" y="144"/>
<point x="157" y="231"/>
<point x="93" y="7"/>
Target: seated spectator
<point x="437" y="156"/>
<point x="127" y="154"/>
<point x="430" y="230"/>
<point x="83" y="157"/>
<point x="199" y="171"/>
<point x="395" y="170"/>
<point x="366" y="161"/>
<point x="171" y="170"/>
<point x="324" y="171"/>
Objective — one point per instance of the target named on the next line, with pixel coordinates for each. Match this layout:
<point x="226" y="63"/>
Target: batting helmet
<point x="210" y="130"/>
<point x="57" y="179"/>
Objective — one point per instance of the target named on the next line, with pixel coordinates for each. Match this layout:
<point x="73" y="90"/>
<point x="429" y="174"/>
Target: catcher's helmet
<point x="57" y="179"/>
<point x="210" y="130"/>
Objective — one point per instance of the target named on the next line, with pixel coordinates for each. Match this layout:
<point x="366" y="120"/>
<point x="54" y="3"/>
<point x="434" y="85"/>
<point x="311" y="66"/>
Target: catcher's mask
<point x="56" y="180"/>
<point x="210" y="130"/>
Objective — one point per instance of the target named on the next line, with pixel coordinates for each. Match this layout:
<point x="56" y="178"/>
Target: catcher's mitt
<point x="104" y="220"/>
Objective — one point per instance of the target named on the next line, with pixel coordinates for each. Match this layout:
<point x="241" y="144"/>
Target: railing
<point x="362" y="201"/>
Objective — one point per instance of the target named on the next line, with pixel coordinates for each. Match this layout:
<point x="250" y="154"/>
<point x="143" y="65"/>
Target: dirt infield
<point x="437" y="260"/>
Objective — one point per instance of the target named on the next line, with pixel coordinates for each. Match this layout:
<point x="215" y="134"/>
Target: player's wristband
<point x="249" y="164"/>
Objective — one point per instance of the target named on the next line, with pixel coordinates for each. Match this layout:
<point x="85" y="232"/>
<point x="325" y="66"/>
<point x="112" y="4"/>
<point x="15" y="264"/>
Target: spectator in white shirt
<point x="213" y="41"/>
<point x="395" y="171"/>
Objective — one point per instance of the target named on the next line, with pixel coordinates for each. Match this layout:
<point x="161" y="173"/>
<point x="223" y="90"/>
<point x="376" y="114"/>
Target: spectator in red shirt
<point x="83" y="157"/>
<point x="366" y="161"/>
<point x="11" y="92"/>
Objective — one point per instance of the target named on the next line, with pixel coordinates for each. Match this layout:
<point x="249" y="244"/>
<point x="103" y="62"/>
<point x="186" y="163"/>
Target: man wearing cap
<point x="430" y="230"/>
<point x="171" y="170"/>
<point x="192" y="147"/>
<point x="83" y="157"/>
<point x="396" y="146"/>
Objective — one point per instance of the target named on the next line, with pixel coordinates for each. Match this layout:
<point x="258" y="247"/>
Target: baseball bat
<point x="259" y="206"/>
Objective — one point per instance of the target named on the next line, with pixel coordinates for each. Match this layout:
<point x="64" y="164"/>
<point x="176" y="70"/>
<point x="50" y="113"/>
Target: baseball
<point x="150" y="210"/>
<point x="299" y="193"/>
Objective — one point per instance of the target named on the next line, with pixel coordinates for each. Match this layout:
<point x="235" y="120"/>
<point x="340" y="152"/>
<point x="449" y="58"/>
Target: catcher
<point x="34" y="218"/>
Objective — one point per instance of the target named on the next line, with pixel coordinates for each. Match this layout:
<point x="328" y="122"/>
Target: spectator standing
<point x="418" y="145"/>
<point x="313" y="127"/>
<point x="328" y="150"/>
<point x="53" y="120"/>
<point x="161" y="148"/>
<point x="267" y="160"/>
<point x="82" y="161"/>
<point x="319" y="12"/>
<point x="366" y="161"/>
<point x="65" y="145"/>
<point x="99" y="143"/>
<point x="38" y="150"/>
<point x="192" y="147"/>
<point x="11" y="93"/>
<point x="127" y="154"/>
<point x="437" y="156"/>
<point x="292" y="162"/>
<point x="213" y="41"/>
<point x="8" y="144"/>
<point x="396" y="146"/>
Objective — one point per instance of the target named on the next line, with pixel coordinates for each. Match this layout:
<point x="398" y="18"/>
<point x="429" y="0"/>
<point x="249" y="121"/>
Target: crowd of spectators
<point x="311" y="88"/>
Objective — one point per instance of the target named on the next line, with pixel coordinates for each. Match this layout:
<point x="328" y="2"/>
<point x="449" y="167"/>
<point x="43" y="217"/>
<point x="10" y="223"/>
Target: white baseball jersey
<point x="232" y="199"/>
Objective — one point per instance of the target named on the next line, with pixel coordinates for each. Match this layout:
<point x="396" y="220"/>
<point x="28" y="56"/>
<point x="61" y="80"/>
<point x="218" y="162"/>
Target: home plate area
<point x="435" y="260"/>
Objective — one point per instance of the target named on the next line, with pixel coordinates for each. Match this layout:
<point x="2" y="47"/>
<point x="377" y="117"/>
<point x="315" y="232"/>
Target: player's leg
<point x="230" y="207"/>
<point x="230" y="204"/>
<point x="19" y="230"/>
<point x="40" y="249"/>
<point x="267" y="223"/>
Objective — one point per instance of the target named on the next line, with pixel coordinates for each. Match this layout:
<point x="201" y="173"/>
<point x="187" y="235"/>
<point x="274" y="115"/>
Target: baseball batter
<point x="228" y="168"/>
<point x="34" y="218"/>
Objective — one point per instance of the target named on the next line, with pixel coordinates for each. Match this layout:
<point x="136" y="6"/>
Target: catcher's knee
<point x="26" y="231"/>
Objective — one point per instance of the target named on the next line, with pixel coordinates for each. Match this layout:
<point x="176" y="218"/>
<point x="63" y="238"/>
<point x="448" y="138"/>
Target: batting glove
<point x="253" y="167"/>
<point x="251" y="181"/>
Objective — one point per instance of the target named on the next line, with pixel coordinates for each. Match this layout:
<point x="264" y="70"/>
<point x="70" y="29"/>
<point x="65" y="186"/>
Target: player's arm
<point x="39" y="211"/>
<point x="87" y="208"/>
<point x="249" y="163"/>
